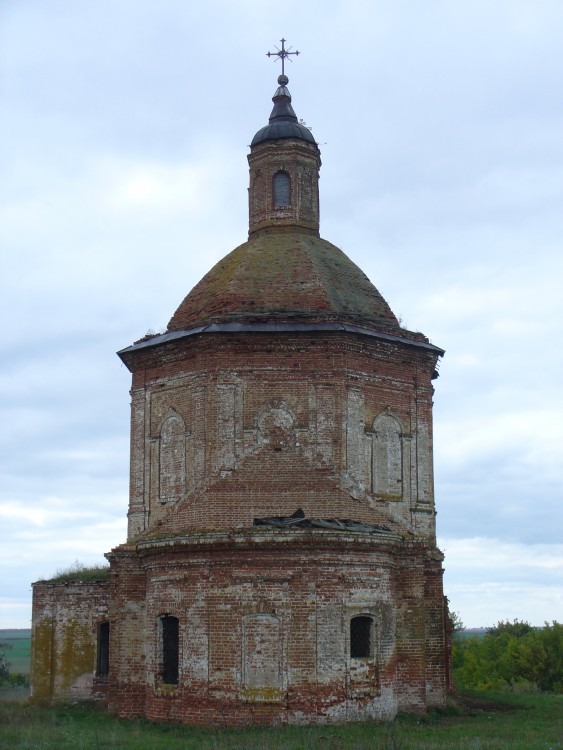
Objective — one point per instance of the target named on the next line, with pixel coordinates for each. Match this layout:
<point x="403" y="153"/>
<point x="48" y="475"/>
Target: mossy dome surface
<point x="285" y="276"/>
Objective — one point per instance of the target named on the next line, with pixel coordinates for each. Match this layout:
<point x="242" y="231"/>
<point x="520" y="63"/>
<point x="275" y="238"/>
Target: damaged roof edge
<point x="273" y="327"/>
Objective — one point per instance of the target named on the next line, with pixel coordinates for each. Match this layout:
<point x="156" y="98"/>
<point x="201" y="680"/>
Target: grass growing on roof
<point x="80" y="572"/>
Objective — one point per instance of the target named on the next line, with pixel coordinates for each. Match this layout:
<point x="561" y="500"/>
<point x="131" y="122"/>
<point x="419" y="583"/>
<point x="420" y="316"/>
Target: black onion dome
<point x="283" y="120"/>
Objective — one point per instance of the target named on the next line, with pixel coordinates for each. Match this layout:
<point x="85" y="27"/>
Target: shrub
<point x="513" y="656"/>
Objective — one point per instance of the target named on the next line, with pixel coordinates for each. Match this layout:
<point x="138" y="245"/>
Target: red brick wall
<point x="228" y="428"/>
<point x="277" y="422"/>
<point x="66" y="616"/>
<point x="301" y="161"/>
<point x="269" y="424"/>
<point x="290" y="597"/>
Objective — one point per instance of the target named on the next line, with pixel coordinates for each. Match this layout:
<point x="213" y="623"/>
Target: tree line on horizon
<point x="511" y="656"/>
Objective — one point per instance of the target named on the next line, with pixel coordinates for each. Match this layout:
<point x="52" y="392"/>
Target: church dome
<point x="284" y="273"/>
<point x="283" y="120"/>
<point x="288" y="277"/>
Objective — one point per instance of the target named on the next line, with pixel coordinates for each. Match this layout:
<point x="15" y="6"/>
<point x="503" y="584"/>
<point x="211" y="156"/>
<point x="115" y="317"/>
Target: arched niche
<point x="276" y="425"/>
<point x="172" y="458"/>
<point x="387" y="456"/>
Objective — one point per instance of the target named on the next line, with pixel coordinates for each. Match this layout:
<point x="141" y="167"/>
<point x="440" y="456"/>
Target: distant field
<point x="472" y="633"/>
<point x="19" y="655"/>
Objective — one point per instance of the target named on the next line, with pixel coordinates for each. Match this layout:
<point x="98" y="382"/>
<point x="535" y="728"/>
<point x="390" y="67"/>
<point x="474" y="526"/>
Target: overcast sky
<point x="124" y="129"/>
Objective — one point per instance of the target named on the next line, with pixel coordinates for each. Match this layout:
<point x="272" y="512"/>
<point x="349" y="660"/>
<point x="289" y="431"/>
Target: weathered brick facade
<point x="67" y="616"/>
<point x="281" y="561"/>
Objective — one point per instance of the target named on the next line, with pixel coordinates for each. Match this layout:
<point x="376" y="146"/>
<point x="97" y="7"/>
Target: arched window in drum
<point x="282" y="190"/>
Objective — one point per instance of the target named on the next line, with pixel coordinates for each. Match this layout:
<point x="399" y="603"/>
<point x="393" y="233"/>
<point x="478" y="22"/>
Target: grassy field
<point x="477" y="722"/>
<point x="20" y="654"/>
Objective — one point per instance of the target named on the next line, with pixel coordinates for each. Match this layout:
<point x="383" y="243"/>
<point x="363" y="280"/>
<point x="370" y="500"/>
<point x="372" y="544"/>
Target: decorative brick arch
<point x="172" y="458"/>
<point x="276" y="426"/>
<point x="387" y="456"/>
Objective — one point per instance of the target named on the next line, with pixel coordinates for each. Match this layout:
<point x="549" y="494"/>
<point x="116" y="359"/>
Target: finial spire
<point x="283" y="120"/>
<point x="283" y="54"/>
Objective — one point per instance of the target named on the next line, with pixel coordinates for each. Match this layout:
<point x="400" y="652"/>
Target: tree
<point x="456" y="623"/>
<point x="515" y="629"/>
<point x="551" y="638"/>
<point x="4" y="663"/>
<point x="512" y="654"/>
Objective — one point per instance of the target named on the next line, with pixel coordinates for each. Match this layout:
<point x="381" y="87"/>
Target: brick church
<point x="281" y="562"/>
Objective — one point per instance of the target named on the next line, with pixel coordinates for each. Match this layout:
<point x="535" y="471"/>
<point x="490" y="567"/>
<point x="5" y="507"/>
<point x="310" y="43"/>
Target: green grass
<point x="536" y="724"/>
<point x="80" y="572"/>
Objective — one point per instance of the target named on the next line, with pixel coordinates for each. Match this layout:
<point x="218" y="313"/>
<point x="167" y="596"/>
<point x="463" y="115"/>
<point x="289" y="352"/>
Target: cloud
<point x="488" y="579"/>
<point x="125" y="181"/>
<point x="48" y="536"/>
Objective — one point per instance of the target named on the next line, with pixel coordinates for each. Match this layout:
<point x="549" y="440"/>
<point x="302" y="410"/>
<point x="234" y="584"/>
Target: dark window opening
<point x="360" y="637"/>
<point x="102" y="667"/>
<point x="170" y="631"/>
<point x="282" y="191"/>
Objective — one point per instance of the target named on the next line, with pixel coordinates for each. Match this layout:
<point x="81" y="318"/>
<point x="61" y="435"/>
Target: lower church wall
<point x="264" y="633"/>
<point x="65" y="636"/>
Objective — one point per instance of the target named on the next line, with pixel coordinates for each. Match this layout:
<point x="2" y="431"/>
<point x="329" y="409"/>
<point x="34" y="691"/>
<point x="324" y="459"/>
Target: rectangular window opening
<point x="102" y="666"/>
<point x="361" y="637"/>
<point x="170" y="631"/>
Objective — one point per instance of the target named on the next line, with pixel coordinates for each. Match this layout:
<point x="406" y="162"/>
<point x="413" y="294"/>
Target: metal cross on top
<point x="282" y="53"/>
